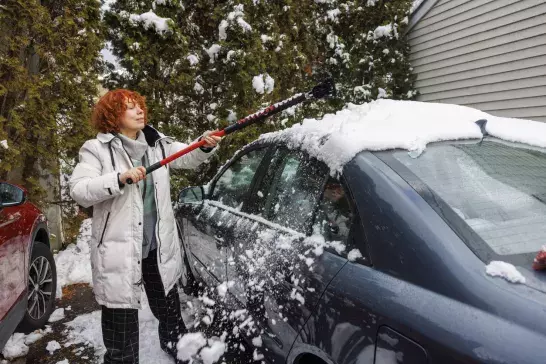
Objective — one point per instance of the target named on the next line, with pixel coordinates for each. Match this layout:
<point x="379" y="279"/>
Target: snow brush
<point x="324" y="89"/>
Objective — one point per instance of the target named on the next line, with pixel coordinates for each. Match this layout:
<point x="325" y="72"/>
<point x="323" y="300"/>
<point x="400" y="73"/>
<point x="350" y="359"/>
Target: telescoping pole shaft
<point x="325" y="88"/>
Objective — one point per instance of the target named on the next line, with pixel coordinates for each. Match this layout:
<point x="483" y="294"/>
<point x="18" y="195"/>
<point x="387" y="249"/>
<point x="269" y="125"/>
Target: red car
<point x="28" y="276"/>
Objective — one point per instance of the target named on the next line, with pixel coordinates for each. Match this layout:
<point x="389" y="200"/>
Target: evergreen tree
<point x="364" y="49"/>
<point x="49" y="63"/>
<point x="203" y="64"/>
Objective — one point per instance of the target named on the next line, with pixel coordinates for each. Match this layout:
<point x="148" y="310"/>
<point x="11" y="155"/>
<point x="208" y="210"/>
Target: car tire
<point x="40" y="305"/>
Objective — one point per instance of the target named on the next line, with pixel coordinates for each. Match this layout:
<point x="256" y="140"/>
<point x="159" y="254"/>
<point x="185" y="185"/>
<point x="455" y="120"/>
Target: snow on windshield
<point x="497" y="189"/>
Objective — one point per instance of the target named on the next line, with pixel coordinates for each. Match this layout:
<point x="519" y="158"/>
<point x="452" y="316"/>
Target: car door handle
<point x="219" y="241"/>
<point x="273" y="337"/>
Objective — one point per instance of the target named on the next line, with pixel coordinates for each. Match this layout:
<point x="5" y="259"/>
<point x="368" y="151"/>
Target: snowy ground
<point x="73" y="334"/>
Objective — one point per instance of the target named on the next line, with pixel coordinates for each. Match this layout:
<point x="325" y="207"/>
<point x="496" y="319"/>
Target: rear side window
<point x="334" y="215"/>
<point x="498" y="190"/>
<point x="337" y="220"/>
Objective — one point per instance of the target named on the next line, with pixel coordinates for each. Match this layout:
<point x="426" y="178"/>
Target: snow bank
<point x="151" y="20"/>
<point x="389" y="124"/>
<point x="57" y="315"/>
<point x="86" y="329"/>
<point x="74" y="263"/>
<point x="504" y="270"/>
<point x="17" y="345"/>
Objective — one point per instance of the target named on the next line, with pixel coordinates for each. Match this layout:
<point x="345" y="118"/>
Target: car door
<point x="285" y="270"/>
<point x="12" y="248"/>
<point x="206" y="230"/>
<point x="351" y="322"/>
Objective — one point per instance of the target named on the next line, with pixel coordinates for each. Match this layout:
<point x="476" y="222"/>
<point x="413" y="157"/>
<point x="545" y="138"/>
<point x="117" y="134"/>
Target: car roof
<point x="388" y="124"/>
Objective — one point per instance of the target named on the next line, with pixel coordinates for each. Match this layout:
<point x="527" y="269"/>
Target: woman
<point x="134" y="235"/>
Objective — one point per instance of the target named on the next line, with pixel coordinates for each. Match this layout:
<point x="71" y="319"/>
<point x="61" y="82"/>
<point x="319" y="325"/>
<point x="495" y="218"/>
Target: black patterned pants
<point x="120" y="326"/>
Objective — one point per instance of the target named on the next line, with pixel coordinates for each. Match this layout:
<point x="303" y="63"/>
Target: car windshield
<point x="497" y="188"/>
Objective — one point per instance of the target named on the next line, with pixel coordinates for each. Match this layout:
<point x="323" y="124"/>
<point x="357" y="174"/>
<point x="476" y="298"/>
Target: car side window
<point x="337" y="220"/>
<point x="295" y="191"/>
<point x="334" y="216"/>
<point x="10" y="194"/>
<point x="234" y="183"/>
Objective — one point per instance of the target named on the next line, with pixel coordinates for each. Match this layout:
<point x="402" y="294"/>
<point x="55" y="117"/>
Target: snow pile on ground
<point x="17" y="345"/>
<point x="57" y="315"/>
<point x="389" y="124"/>
<point x="151" y="20"/>
<point x="74" y="263"/>
<point x="504" y="270"/>
<point x="86" y="329"/>
<point x="53" y="346"/>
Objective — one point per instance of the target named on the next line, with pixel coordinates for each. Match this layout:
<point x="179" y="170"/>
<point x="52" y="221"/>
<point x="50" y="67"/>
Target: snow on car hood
<point x="388" y="124"/>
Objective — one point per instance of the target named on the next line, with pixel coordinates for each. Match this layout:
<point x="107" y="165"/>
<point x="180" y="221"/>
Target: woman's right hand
<point x="135" y="174"/>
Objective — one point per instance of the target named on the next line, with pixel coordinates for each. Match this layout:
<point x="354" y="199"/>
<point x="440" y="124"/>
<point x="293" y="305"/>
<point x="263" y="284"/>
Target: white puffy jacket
<point x="116" y="242"/>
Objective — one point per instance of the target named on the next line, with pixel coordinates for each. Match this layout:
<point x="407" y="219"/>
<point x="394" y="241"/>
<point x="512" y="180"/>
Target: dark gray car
<point x="400" y="272"/>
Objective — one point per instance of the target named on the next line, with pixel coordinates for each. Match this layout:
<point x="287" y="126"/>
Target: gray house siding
<point x="486" y="54"/>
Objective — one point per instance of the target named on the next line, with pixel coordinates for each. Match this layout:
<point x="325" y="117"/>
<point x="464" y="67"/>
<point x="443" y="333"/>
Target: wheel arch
<point x="307" y="354"/>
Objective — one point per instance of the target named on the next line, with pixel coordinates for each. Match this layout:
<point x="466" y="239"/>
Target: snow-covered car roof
<point x="388" y="124"/>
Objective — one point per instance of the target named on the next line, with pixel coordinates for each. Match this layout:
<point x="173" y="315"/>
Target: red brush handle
<point x="178" y="154"/>
<point x="186" y="150"/>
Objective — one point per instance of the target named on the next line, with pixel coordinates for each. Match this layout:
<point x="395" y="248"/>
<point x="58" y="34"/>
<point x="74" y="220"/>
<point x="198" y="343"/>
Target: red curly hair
<point x="111" y="107"/>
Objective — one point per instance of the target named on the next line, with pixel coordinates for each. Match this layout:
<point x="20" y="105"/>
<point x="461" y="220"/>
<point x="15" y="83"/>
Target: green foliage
<point x="49" y="64"/>
<point x="198" y="75"/>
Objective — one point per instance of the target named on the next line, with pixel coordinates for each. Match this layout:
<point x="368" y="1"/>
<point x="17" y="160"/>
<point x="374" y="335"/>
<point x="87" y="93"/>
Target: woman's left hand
<point x="211" y="140"/>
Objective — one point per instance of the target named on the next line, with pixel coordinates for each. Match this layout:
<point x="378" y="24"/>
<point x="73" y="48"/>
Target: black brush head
<point x="326" y="88"/>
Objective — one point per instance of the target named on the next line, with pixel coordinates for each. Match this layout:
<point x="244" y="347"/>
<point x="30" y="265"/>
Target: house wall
<point x="487" y="54"/>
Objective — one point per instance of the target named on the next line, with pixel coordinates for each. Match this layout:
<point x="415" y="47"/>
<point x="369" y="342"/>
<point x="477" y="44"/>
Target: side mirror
<point x="192" y="195"/>
<point x="11" y="195"/>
